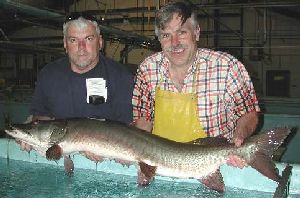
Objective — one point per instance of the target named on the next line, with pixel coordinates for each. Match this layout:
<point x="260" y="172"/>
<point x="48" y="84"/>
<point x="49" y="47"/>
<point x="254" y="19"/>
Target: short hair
<point x="81" y="22"/>
<point x="165" y="14"/>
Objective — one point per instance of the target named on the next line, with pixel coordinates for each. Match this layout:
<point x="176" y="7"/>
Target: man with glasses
<point x="84" y="83"/>
<point x="184" y="92"/>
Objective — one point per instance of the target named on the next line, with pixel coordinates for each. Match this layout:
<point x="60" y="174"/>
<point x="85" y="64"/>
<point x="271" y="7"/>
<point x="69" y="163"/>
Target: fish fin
<point x="54" y="152"/>
<point x="69" y="165"/>
<point x="214" y="181"/>
<point x="265" y="165"/>
<point x="211" y="141"/>
<point x="146" y="174"/>
<point x="267" y="143"/>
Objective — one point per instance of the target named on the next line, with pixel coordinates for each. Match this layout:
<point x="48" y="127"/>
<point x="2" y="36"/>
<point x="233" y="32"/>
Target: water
<point x="25" y="179"/>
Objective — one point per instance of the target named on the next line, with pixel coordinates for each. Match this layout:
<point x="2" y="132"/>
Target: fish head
<point x="42" y="133"/>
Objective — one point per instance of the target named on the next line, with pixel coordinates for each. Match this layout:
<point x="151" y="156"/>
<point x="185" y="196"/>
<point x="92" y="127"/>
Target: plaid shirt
<point x="223" y="87"/>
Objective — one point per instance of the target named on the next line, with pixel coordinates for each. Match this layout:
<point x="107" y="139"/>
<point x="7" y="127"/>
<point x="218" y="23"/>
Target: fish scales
<point x="152" y="153"/>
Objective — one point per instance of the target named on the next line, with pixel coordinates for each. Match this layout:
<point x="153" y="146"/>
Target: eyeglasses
<point x="76" y="15"/>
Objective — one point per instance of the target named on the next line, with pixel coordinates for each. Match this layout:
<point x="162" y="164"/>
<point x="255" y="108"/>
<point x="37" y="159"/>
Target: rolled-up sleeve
<point x="240" y="90"/>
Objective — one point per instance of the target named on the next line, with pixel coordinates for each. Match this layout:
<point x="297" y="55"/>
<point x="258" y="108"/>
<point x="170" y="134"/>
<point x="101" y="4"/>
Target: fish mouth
<point x="23" y="136"/>
<point x="12" y="130"/>
<point x="24" y="127"/>
<point x="19" y="130"/>
<point x="16" y="132"/>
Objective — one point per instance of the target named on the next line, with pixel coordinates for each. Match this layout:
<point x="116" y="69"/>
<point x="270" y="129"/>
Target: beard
<point x="81" y="63"/>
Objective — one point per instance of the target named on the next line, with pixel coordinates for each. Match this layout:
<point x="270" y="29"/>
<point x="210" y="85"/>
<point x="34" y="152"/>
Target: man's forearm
<point x="248" y="122"/>
<point x="37" y="117"/>
<point x="143" y="124"/>
<point x="246" y="126"/>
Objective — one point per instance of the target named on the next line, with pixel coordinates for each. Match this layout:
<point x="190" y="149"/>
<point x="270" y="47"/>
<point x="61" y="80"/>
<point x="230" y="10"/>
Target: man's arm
<point x="37" y="117"/>
<point x="246" y="126"/>
<point x="142" y="100"/>
<point x="143" y="124"/>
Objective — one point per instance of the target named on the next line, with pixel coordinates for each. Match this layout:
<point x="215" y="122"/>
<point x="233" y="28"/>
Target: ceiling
<point x="18" y="14"/>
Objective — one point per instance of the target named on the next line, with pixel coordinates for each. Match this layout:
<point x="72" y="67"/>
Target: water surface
<point x="34" y="180"/>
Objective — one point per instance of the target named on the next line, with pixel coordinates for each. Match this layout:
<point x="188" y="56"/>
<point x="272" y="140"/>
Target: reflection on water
<point x="24" y="179"/>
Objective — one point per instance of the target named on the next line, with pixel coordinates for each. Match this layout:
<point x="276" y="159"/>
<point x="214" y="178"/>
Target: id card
<point x="95" y="88"/>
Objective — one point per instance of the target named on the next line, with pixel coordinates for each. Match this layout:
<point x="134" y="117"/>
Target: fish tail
<point x="54" y="152"/>
<point x="267" y="143"/>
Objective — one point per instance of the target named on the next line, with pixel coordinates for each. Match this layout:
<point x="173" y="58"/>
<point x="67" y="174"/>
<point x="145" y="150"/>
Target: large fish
<point x="154" y="155"/>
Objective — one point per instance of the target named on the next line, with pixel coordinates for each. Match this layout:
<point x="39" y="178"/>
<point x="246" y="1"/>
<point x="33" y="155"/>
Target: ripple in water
<point x="24" y="179"/>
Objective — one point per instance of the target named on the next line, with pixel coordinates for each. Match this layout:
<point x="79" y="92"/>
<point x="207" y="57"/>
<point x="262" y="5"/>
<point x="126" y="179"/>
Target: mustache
<point x="174" y="48"/>
<point x="82" y="52"/>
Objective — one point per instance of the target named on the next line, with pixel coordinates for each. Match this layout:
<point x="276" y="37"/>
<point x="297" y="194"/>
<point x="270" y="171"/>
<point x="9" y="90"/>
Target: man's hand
<point x="236" y="161"/>
<point x="143" y="124"/>
<point x="24" y="146"/>
<point x="37" y="118"/>
<point x="91" y="156"/>
<point x="246" y="126"/>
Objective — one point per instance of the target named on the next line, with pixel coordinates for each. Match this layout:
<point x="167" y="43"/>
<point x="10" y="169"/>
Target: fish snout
<point x="15" y="130"/>
<point x="23" y="127"/>
<point x="9" y="127"/>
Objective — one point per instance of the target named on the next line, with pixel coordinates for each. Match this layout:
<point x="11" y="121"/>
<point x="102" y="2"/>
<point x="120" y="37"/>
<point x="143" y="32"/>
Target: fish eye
<point x="57" y="130"/>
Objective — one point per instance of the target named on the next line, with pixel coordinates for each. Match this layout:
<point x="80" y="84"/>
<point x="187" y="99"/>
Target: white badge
<point x="96" y="87"/>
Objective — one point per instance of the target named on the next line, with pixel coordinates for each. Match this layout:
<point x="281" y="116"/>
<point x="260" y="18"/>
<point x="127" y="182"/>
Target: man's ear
<point x="65" y="45"/>
<point x="197" y="32"/>
<point x="101" y="42"/>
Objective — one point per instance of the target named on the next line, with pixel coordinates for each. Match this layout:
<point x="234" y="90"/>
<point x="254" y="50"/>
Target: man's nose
<point x="82" y="44"/>
<point x="174" y="40"/>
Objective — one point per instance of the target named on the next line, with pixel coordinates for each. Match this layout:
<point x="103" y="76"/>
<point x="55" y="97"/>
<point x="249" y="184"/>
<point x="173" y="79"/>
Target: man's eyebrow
<point x="91" y="35"/>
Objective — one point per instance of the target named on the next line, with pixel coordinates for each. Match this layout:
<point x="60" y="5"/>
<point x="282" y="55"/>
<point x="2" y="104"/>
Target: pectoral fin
<point x="214" y="181"/>
<point x="146" y="174"/>
<point x="69" y="165"/>
<point x="54" y="152"/>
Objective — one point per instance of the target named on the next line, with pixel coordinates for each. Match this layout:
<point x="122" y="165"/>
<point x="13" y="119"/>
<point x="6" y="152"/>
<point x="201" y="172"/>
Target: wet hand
<point x="143" y="124"/>
<point x="91" y="156"/>
<point x="239" y="136"/>
<point x="24" y="146"/>
<point x="246" y="126"/>
<point x="236" y="161"/>
<point x="238" y="140"/>
<point x="123" y="162"/>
